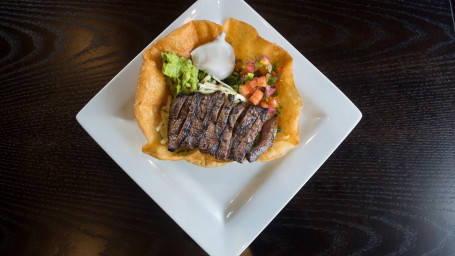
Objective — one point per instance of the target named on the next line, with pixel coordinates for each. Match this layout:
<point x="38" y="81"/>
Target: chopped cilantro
<point x="202" y="74"/>
<point x="234" y="80"/>
<point x="277" y="110"/>
<point x="259" y="64"/>
<point x="271" y="80"/>
<point x="236" y="87"/>
<point x="275" y="67"/>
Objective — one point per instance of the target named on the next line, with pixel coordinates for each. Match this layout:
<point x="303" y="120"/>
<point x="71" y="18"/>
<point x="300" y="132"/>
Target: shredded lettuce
<point x="207" y="87"/>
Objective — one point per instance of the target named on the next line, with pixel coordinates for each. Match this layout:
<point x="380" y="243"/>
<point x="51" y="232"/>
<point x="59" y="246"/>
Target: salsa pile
<point x="257" y="80"/>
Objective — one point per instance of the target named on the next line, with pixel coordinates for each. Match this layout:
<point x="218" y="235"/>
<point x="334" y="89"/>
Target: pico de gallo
<point x="256" y="80"/>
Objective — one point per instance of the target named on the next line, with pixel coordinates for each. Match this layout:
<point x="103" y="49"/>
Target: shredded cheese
<point x="207" y="87"/>
<point x="162" y="126"/>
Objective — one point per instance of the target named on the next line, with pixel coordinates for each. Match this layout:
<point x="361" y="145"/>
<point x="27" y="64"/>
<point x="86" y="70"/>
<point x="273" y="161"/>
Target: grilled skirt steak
<point x="224" y="115"/>
<point x="245" y="135"/>
<point x="190" y="115"/>
<point x="199" y="122"/>
<point x="245" y="122"/>
<point x="225" y="139"/>
<point x="252" y="113"/>
<point x="177" y="115"/>
<point x="209" y="140"/>
<point x="265" y="140"/>
<point x="217" y="126"/>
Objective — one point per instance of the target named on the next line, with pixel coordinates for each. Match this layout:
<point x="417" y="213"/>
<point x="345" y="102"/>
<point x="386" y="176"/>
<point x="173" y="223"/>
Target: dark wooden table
<point x="389" y="189"/>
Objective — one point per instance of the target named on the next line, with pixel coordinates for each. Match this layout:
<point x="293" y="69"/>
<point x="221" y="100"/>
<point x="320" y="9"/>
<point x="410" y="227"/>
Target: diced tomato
<point x="264" y="60"/>
<point x="253" y="84"/>
<point x="265" y="69"/>
<point x="262" y="81"/>
<point x="244" y="90"/>
<point x="273" y="103"/>
<point x="279" y="70"/>
<point x="250" y="67"/>
<point x="266" y="66"/>
<point x="256" y="97"/>
<point x="264" y="104"/>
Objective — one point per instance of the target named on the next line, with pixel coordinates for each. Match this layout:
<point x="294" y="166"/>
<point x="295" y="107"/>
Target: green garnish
<point x="201" y="75"/>
<point x="271" y="80"/>
<point x="248" y="77"/>
<point x="259" y="64"/>
<point x="234" y="80"/>
<point x="278" y="109"/>
<point x="275" y="67"/>
<point x="180" y="74"/>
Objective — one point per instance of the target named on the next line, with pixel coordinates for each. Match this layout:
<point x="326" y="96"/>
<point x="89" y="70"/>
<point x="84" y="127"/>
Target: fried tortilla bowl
<point x="152" y="92"/>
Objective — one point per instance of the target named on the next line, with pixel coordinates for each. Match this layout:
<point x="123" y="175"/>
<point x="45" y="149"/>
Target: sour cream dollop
<point x="216" y="57"/>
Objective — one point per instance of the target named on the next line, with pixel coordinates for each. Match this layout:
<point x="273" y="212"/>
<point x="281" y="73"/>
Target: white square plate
<point x="223" y="209"/>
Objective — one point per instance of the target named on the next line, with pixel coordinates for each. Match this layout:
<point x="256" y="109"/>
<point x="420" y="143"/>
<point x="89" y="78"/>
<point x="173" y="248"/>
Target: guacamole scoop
<point x="180" y="74"/>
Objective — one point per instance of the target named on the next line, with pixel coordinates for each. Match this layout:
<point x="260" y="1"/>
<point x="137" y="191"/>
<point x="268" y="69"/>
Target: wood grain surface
<point x="389" y="189"/>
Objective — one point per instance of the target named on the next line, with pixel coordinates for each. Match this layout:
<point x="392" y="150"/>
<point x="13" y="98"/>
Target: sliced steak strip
<point x="265" y="140"/>
<point x="244" y="136"/>
<point x="246" y="121"/>
<point x="224" y="115"/>
<point x="190" y="115"/>
<point x="225" y="139"/>
<point x="209" y="140"/>
<point x="199" y="123"/>
<point x="241" y="127"/>
<point x="177" y="115"/>
<point x="176" y="105"/>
